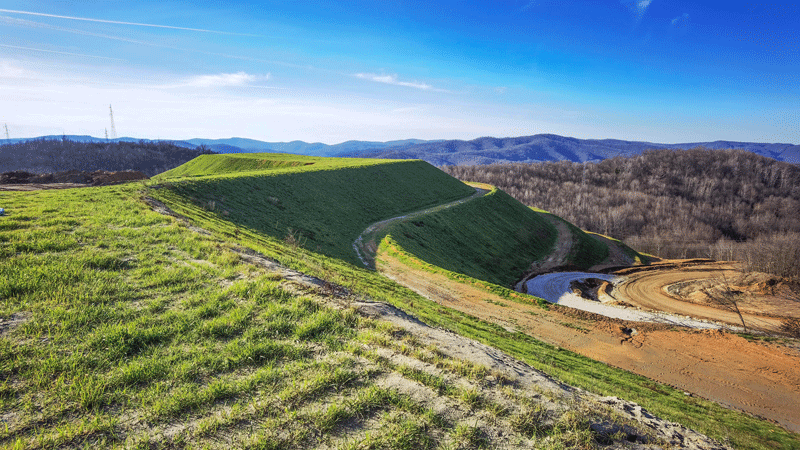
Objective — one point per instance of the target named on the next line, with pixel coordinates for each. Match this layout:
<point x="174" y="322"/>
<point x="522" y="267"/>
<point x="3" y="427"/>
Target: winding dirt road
<point x="366" y="244"/>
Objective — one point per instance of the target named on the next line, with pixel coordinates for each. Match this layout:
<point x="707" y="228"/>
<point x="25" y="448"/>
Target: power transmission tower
<point x="106" y="133"/>
<point x="113" y="128"/>
<point x="7" y="136"/>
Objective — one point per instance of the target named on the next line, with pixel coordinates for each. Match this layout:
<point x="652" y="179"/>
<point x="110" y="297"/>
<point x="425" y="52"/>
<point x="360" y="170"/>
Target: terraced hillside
<point x="173" y="314"/>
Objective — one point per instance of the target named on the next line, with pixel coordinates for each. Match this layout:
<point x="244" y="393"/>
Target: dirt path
<point x="366" y="244"/>
<point x="760" y="378"/>
<point x="647" y="290"/>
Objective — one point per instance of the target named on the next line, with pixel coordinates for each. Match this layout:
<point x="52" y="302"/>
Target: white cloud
<point x="224" y="80"/>
<point x="392" y="79"/>
<point x="637" y="7"/>
<point x="681" y="21"/>
<point x="11" y="70"/>
<point x="501" y="90"/>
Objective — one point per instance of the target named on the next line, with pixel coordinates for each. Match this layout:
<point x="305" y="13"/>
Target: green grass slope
<point x="321" y="204"/>
<point x="211" y="165"/>
<point x="493" y="238"/>
<point x="123" y="328"/>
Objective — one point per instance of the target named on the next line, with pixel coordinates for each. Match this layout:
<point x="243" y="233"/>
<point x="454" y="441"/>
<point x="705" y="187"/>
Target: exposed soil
<point x="760" y="378"/>
<point x="26" y="181"/>
<point x="678" y="287"/>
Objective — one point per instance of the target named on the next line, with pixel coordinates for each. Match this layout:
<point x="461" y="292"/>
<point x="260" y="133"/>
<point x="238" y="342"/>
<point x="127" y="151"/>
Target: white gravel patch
<point x="555" y="288"/>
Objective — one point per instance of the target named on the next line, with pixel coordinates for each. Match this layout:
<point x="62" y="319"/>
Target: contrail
<point x="117" y="22"/>
<point x="60" y="53"/>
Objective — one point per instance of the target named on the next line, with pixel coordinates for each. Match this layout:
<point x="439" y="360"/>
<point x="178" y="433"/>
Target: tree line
<point x="59" y="155"/>
<point x="723" y="204"/>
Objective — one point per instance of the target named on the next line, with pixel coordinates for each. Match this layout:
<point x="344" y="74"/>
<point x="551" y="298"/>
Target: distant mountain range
<point x="244" y="145"/>
<point x="551" y="147"/>
<point x="241" y="145"/>
<point x="485" y="150"/>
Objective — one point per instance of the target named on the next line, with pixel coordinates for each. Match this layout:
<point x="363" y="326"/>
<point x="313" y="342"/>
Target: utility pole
<point x="6" y="127"/>
<point x="113" y="128"/>
<point x="106" y="134"/>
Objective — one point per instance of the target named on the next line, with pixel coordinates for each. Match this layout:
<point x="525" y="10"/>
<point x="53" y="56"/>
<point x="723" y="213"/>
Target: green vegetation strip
<point x="739" y="429"/>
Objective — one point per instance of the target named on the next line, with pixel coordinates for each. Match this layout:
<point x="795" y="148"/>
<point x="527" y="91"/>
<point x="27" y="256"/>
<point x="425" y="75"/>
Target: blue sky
<point x="654" y="70"/>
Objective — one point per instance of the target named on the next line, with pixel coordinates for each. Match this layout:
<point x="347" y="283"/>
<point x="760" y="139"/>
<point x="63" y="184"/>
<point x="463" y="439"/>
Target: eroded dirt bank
<point x="760" y="378"/>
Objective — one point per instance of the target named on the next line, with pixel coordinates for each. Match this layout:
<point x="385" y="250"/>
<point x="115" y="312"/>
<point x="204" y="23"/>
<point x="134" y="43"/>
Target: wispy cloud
<point x="45" y="26"/>
<point x="681" y="21"/>
<point x="528" y="5"/>
<point x="10" y="70"/>
<point x="224" y="80"/>
<point x="59" y="53"/>
<point x="393" y="80"/>
<point x="638" y="7"/>
<point x="642" y="5"/>
<point x="501" y="90"/>
<point x="119" y="22"/>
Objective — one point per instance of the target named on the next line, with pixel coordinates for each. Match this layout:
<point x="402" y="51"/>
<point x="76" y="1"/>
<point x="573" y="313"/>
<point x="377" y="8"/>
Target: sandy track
<point x="760" y="378"/>
<point x="646" y="289"/>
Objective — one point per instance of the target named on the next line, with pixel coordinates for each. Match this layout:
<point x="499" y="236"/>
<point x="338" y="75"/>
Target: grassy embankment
<point x="123" y="328"/>
<point x="321" y="204"/>
<point x="150" y="332"/>
<point x="708" y="417"/>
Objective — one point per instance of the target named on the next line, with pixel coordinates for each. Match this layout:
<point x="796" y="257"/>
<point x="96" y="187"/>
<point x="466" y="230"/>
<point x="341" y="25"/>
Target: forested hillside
<point x="720" y="203"/>
<point x="58" y="155"/>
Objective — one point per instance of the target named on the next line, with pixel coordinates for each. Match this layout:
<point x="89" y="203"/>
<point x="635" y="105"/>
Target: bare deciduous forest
<point x="722" y="204"/>
<point x="56" y="155"/>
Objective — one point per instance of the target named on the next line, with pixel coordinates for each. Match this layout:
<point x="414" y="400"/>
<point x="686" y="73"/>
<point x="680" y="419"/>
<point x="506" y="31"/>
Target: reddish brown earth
<point x="678" y="287"/>
<point x="760" y="378"/>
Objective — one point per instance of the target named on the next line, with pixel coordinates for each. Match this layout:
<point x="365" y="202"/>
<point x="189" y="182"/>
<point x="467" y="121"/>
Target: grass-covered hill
<point x="493" y="238"/>
<point x="124" y="328"/>
<point x="321" y="204"/>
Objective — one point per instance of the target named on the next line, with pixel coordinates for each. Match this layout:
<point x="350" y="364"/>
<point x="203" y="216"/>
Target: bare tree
<point x="722" y="294"/>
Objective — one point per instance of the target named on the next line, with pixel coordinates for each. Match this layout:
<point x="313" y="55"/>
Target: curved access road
<point x="366" y="244"/>
<point x="647" y="289"/>
<point x="556" y="288"/>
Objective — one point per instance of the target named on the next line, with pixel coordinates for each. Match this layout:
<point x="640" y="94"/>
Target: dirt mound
<point x="15" y="177"/>
<point x="103" y="178"/>
<point x="70" y="178"/>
